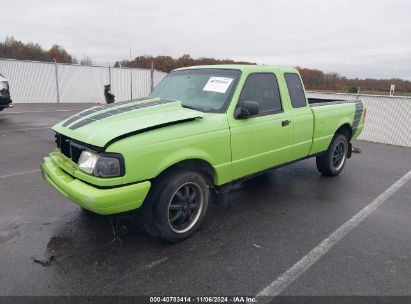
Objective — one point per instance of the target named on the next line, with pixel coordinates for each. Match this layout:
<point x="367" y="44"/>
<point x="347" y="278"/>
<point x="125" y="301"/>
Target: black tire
<point x="177" y="205"/>
<point x="333" y="161"/>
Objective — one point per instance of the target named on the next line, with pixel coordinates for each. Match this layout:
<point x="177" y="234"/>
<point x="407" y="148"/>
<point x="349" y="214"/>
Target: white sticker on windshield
<point x="218" y="84"/>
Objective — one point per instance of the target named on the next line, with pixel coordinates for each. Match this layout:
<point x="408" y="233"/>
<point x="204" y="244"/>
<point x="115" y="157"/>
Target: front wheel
<point x="177" y="206"/>
<point x="333" y="161"/>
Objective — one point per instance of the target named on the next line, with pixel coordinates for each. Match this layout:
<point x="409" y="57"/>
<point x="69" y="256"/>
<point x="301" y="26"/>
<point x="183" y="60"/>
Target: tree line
<point x="168" y="63"/>
<point x="14" y="49"/>
<point x="313" y="79"/>
<point x="320" y="81"/>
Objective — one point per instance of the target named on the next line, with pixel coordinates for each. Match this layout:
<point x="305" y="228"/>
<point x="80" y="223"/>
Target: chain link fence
<point x="47" y="82"/>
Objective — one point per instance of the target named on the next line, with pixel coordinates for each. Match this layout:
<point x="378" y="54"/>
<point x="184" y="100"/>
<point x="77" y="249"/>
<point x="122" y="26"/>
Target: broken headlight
<point x="101" y="165"/>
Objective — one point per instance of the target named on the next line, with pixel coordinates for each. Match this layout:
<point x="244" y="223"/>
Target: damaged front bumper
<point x="102" y="201"/>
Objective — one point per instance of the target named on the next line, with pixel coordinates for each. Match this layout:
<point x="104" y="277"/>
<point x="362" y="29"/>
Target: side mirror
<point x="247" y="109"/>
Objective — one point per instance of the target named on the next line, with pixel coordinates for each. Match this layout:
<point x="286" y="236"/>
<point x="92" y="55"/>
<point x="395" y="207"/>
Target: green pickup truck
<point x="201" y="130"/>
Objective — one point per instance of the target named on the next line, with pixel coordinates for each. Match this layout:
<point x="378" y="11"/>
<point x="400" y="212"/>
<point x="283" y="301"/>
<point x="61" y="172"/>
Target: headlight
<point x="105" y="165"/>
<point x="87" y="161"/>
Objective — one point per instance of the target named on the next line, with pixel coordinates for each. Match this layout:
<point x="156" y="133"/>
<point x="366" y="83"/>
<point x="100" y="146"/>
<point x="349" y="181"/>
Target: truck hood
<point x="101" y="125"/>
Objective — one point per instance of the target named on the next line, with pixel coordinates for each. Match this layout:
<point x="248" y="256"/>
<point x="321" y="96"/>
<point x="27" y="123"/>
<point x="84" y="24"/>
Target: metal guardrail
<point x="388" y="118"/>
<point x="48" y="82"/>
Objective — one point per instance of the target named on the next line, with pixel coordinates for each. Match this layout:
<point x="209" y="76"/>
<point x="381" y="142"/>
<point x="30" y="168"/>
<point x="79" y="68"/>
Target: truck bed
<point x="329" y="114"/>
<point x="325" y="101"/>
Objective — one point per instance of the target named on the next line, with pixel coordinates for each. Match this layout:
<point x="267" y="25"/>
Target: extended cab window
<point x="295" y="90"/>
<point x="263" y="89"/>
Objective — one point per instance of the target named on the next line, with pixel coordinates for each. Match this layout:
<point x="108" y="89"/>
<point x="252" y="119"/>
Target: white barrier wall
<point x="35" y="82"/>
<point x="388" y="119"/>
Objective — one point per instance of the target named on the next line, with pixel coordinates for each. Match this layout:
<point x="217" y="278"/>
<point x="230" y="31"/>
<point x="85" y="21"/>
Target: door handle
<point x="285" y="122"/>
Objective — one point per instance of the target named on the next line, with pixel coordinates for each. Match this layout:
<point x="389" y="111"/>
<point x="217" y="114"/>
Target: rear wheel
<point x="177" y="206"/>
<point x="333" y="161"/>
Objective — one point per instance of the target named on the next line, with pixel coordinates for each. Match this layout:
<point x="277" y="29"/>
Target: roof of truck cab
<point x="243" y="67"/>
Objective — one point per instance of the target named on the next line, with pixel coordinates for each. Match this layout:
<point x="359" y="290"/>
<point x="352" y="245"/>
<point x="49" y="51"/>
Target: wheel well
<point x="345" y="130"/>
<point x="193" y="164"/>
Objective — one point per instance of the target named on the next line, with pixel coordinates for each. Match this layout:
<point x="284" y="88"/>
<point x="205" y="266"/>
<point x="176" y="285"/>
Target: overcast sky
<point x="356" y="38"/>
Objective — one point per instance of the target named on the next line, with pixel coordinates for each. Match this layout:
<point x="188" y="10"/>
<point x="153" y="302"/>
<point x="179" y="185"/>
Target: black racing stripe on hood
<point x="98" y="109"/>
<point x="79" y="116"/>
<point x="114" y="112"/>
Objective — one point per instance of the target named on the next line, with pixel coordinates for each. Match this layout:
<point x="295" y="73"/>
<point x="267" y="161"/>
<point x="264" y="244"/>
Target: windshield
<point x="3" y="85"/>
<point x="206" y="90"/>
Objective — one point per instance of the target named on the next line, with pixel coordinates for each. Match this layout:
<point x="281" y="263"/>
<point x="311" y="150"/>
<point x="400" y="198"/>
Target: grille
<point x="68" y="147"/>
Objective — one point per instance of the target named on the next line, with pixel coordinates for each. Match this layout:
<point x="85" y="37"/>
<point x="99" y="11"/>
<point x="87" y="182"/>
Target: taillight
<point x="365" y="114"/>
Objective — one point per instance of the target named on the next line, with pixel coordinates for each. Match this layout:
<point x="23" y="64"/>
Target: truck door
<point x="265" y="139"/>
<point x="302" y="116"/>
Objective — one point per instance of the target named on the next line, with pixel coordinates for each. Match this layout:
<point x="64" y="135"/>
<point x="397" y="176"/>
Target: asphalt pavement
<point x="48" y="246"/>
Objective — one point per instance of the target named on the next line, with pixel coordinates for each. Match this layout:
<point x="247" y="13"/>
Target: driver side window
<point x="263" y="89"/>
